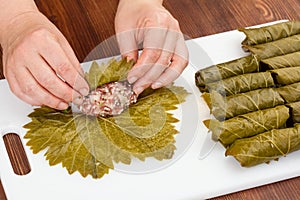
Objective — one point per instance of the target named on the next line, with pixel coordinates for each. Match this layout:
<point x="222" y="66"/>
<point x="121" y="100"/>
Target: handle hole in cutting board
<point x="3" y="196"/>
<point x="16" y="154"/>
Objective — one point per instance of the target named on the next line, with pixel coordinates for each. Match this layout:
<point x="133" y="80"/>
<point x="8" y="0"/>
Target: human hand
<point x="164" y="54"/>
<point x="39" y="64"/>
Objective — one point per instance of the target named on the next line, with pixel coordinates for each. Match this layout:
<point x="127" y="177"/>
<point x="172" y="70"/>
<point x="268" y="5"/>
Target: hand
<point x="164" y="54"/>
<point x="39" y="64"/>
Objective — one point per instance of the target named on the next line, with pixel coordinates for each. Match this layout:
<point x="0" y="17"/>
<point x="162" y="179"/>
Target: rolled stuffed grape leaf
<point x="227" y="107"/>
<point x="91" y="145"/>
<point x="287" y="60"/>
<point x="225" y="70"/>
<point x="248" y="125"/>
<point x="290" y="93"/>
<point x="270" y="33"/>
<point x="295" y="111"/>
<point x="266" y="146"/>
<point x="207" y="98"/>
<point x="242" y="83"/>
<point x="286" y="76"/>
<point x="276" y="48"/>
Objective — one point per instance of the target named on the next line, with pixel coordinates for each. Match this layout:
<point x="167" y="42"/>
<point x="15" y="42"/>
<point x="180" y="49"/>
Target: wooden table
<point x="87" y="23"/>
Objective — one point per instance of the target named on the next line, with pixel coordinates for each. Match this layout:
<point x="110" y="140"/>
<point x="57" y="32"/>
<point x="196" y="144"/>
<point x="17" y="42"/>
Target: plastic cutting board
<point x="184" y="177"/>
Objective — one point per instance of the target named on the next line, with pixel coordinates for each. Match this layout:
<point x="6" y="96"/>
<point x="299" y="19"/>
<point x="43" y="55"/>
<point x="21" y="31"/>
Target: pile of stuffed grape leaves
<point x="255" y="100"/>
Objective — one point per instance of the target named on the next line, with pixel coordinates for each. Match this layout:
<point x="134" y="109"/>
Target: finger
<point x="30" y="91"/>
<point x="144" y="82"/>
<point x="128" y="45"/>
<point x="171" y="41"/>
<point x="181" y="49"/>
<point x="159" y="40"/>
<point x="133" y="55"/>
<point x="58" y="60"/>
<point x="171" y="73"/>
<point x="70" y="53"/>
<point x="48" y="79"/>
<point x="145" y="62"/>
<point x="165" y="58"/>
<point x="15" y="88"/>
<point x="154" y="41"/>
<point x="154" y="73"/>
<point x="154" y="38"/>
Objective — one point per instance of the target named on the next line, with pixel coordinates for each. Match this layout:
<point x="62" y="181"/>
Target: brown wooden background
<point x="86" y="23"/>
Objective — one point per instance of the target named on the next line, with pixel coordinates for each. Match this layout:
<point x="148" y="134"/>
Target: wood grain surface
<point x="87" y="23"/>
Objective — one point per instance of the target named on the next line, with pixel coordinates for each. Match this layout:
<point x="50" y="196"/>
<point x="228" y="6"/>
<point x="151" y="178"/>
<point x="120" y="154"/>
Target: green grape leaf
<point x="278" y="62"/>
<point x="266" y="146"/>
<point x="270" y="33"/>
<point x="91" y="145"/>
<point x="55" y="131"/>
<point x="104" y="73"/>
<point x="276" y="48"/>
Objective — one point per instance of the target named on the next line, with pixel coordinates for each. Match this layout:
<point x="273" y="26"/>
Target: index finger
<point x="57" y="59"/>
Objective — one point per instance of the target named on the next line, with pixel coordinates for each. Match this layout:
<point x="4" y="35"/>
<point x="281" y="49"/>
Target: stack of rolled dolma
<point x="256" y="99"/>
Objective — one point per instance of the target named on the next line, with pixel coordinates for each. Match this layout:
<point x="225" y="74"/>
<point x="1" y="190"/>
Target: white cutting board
<point x="184" y="177"/>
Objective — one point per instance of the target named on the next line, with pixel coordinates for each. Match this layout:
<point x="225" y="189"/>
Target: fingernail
<point x="138" y="90"/>
<point x="84" y="91"/>
<point x="128" y="58"/>
<point x="62" y="106"/>
<point x="132" y="79"/>
<point x="156" y="85"/>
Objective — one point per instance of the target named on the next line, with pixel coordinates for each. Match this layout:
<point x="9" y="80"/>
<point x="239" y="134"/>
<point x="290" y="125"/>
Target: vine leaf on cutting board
<point x="91" y="145"/>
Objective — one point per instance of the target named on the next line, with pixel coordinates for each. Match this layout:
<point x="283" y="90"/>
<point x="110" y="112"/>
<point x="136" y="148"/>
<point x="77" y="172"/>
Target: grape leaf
<point x="270" y="33"/>
<point x="287" y="60"/>
<point x="276" y="48"/>
<point x="91" y="145"/>
<point x="242" y="83"/>
<point x="249" y="124"/>
<point x="234" y="105"/>
<point x="266" y="146"/>
<point x="110" y="72"/>
<point x="290" y="93"/>
<point x="225" y="70"/>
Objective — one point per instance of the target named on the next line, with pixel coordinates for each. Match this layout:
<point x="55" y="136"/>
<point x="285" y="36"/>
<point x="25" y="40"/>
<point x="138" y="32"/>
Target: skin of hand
<point x="38" y="62"/>
<point x="164" y="55"/>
